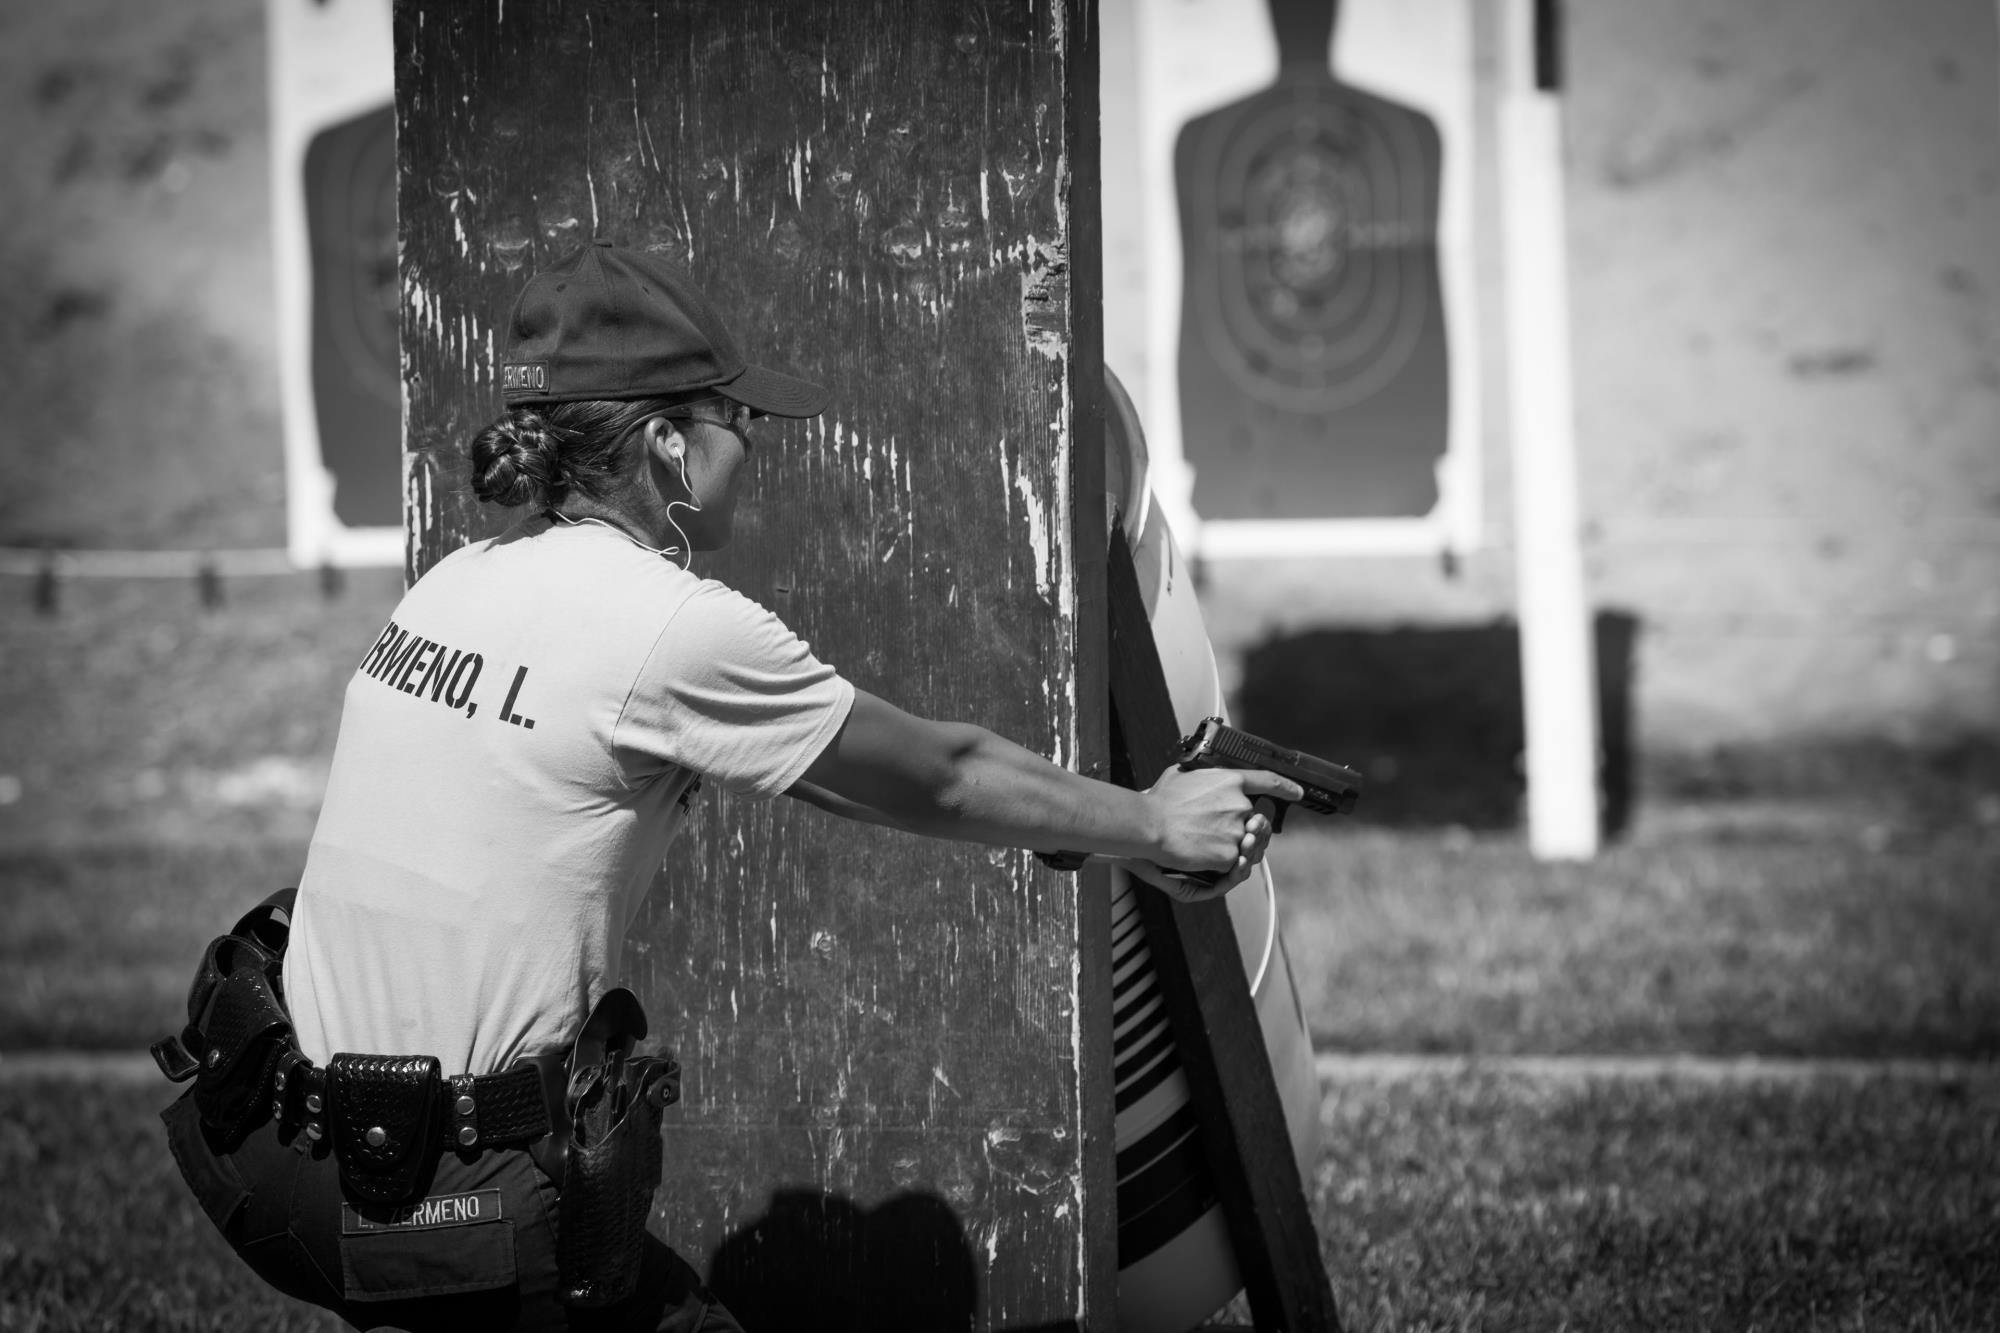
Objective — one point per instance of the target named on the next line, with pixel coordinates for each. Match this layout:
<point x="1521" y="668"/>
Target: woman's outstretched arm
<point x="956" y="780"/>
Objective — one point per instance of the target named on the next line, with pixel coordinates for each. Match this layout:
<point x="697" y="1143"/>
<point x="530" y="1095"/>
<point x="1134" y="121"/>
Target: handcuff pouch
<point x="383" y="1114"/>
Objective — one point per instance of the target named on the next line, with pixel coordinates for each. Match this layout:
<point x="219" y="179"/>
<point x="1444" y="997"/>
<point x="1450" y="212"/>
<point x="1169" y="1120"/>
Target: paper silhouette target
<point x="1313" y="376"/>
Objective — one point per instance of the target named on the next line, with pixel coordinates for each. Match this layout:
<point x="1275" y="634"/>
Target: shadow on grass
<point x="1432" y="715"/>
<point x="819" y="1260"/>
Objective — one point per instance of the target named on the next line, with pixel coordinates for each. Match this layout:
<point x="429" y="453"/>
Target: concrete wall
<point x="1785" y="270"/>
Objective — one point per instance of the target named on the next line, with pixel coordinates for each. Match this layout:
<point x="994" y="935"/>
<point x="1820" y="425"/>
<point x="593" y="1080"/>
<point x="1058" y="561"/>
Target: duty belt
<point x="479" y="1111"/>
<point x="388" y="1118"/>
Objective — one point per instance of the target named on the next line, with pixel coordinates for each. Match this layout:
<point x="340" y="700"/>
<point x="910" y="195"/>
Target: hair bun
<point x="540" y="454"/>
<point x="517" y="460"/>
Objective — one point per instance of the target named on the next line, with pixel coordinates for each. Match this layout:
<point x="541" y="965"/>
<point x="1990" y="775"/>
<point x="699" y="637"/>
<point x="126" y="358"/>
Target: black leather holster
<point x="611" y="1153"/>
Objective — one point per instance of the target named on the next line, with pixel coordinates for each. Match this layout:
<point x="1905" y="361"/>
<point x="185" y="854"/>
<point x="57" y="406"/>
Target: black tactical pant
<point x="479" y="1251"/>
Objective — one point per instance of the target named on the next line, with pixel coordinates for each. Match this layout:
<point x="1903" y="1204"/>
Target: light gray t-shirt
<point x="515" y="755"/>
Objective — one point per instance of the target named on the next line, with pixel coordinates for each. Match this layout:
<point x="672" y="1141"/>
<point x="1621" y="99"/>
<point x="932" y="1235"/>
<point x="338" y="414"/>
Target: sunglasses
<point x="735" y="416"/>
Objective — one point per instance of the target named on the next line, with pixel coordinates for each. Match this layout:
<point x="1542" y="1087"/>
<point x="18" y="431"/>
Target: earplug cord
<point x="685" y="550"/>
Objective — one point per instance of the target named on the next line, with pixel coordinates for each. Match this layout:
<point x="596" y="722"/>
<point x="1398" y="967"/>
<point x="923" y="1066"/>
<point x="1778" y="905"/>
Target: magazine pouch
<point x="382" y="1111"/>
<point x="237" y="1031"/>
<point x="265" y="928"/>
<point x="613" y="1162"/>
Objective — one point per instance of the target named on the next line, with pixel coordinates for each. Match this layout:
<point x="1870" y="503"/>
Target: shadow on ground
<point x="821" y="1261"/>
<point x="1432" y="715"/>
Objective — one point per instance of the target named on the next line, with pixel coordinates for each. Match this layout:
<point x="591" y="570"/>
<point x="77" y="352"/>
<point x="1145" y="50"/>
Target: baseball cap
<point x="608" y="322"/>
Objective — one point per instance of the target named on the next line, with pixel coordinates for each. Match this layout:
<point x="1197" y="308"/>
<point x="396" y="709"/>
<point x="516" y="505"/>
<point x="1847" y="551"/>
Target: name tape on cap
<point x="524" y="377"/>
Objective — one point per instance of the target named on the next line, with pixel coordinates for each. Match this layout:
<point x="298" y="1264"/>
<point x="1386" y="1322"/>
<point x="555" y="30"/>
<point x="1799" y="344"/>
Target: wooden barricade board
<point x="897" y="1052"/>
<point x="1238" y="1108"/>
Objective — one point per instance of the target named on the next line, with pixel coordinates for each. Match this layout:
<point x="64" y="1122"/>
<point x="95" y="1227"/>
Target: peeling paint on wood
<point x="879" y="194"/>
<point x="1045" y="299"/>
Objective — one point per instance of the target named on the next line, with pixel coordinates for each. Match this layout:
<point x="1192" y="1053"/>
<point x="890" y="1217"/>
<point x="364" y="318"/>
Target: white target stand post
<point x="1558" y="659"/>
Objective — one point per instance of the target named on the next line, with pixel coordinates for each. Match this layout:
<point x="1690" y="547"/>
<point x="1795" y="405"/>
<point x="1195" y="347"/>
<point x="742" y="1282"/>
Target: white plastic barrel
<point x="1175" y="1264"/>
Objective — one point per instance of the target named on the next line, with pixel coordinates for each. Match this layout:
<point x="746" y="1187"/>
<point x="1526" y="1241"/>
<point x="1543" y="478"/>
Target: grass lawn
<point x="1482" y="1201"/>
<point x="165" y="764"/>
<point x="1772" y="929"/>
<point x="102" y="938"/>
<point x="165" y="767"/>
<point x="1695" y="939"/>
<point x="135" y="713"/>
<point x="102" y="1234"/>
<point x="161" y="764"/>
<point x="1462" y="1201"/>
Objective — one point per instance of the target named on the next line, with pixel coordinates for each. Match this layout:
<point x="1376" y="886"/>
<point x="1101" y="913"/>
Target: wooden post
<point x="1200" y="971"/>
<point x="897" y="1051"/>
